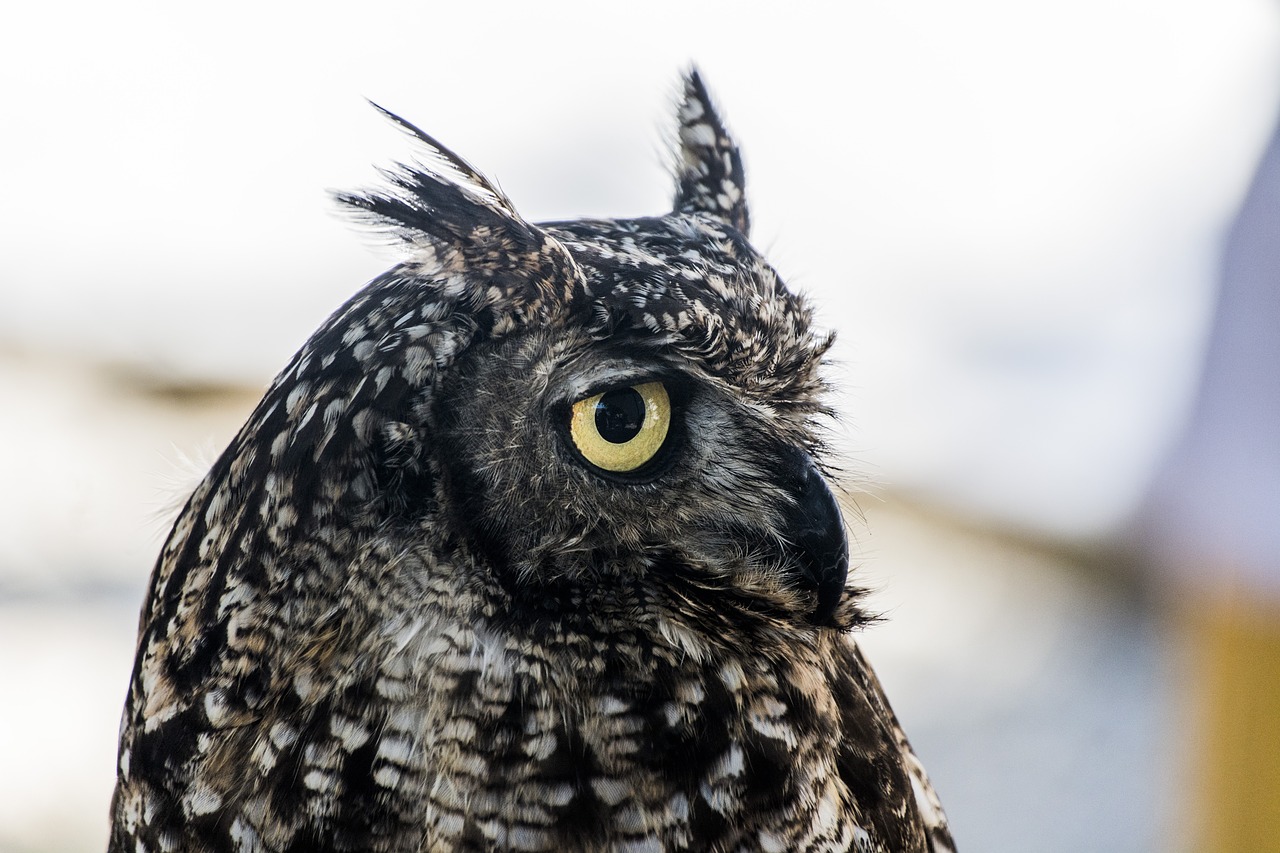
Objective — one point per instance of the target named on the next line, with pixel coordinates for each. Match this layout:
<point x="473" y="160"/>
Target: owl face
<point x="572" y="455"/>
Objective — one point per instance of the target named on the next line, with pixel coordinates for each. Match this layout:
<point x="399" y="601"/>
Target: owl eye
<point x="623" y="428"/>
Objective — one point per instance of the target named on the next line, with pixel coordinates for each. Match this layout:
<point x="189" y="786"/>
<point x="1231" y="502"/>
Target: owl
<point x="531" y="547"/>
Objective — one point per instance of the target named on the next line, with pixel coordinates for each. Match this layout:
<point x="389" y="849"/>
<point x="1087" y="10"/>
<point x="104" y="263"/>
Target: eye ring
<point x="622" y="429"/>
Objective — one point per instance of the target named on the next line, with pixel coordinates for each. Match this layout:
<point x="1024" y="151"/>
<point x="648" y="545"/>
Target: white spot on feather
<point x="731" y="764"/>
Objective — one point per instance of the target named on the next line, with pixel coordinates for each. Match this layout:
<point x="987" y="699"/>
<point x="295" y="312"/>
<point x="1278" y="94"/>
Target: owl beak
<point x="817" y="539"/>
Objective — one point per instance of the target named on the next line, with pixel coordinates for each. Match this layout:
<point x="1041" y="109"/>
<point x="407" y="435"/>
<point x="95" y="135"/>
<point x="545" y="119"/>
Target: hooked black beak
<point x="816" y="537"/>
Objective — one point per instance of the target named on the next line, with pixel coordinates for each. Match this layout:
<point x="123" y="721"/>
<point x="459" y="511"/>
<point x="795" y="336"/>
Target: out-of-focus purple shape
<point x="1216" y="504"/>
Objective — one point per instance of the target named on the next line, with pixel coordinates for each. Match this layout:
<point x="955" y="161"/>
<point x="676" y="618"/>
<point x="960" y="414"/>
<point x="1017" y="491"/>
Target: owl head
<point x="598" y="399"/>
<point x="565" y="405"/>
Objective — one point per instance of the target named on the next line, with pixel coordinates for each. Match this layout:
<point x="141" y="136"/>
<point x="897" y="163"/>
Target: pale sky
<point x="1009" y="211"/>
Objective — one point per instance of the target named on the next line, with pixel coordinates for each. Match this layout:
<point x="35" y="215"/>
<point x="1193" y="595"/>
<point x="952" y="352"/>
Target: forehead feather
<point x="692" y="284"/>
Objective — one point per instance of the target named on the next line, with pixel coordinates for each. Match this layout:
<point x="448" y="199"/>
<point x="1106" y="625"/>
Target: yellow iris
<point x="621" y="429"/>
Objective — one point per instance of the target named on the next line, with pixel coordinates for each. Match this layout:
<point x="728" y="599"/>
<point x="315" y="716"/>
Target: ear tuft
<point x="709" y="174"/>
<point x="437" y="201"/>
<point x="458" y="229"/>
<point x="446" y="163"/>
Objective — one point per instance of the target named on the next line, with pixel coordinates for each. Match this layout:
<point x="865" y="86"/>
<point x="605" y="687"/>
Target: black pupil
<point x="619" y="415"/>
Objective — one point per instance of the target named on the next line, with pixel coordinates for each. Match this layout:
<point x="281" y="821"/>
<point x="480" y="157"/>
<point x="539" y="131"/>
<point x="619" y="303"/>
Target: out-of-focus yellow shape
<point x="1236" y="642"/>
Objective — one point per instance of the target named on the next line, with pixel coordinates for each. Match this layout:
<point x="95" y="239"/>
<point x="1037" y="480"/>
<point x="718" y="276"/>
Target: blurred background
<point x="1015" y="215"/>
